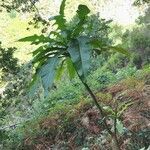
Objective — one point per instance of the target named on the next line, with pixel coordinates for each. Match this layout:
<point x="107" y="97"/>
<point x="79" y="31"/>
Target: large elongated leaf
<point x="96" y="43"/>
<point x="62" y="7"/>
<point x="60" y="21"/>
<point x="47" y="73"/>
<point x="78" y="29"/>
<point x="70" y="68"/>
<point x="34" y="85"/>
<point x="80" y="52"/>
<point x="120" y="50"/>
<point x="45" y="53"/>
<point x="85" y="53"/>
<point x="59" y="36"/>
<point x="36" y="39"/>
<point x="60" y="71"/>
<point x="122" y="107"/>
<point x="39" y="49"/>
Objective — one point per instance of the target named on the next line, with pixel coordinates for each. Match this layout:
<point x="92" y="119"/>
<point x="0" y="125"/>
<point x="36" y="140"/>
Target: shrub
<point x="9" y="64"/>
<point x="138" y="40"/>
<point x="125" y="72"/>
<point x="137" y="61"/>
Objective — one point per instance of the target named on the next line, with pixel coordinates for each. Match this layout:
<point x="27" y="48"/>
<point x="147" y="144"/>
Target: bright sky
<point x="120" y="11"/>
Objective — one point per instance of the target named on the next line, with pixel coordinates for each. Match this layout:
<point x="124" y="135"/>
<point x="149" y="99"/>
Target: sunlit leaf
<point x="70" y="68"/>
<point x="122" y="107"/>
<point x="36" y="39"/>
<point x="46" y="53"/>
<point x="40" y="49"/>
<point x="60" y="22"/>
<point x="62" y="8"/>
<point x="109" y="110"/>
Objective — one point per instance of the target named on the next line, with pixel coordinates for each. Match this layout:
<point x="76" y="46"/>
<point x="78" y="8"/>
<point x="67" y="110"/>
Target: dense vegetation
<point x="86" y="85"/>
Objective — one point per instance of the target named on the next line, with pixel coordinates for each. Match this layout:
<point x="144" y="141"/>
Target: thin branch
<point x="96" y="103"/>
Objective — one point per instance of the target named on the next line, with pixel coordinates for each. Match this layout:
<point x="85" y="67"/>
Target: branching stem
<point x="113" y="135"/>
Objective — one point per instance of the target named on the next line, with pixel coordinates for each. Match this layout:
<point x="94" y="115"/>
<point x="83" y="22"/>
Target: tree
<point x="69" y="47"/>
<point x="23" y="5"/>
<point x="141" y="2"/>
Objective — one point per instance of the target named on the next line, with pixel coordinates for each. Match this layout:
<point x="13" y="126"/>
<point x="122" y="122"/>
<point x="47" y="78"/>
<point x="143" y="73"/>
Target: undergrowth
<point x="60" y="116"/>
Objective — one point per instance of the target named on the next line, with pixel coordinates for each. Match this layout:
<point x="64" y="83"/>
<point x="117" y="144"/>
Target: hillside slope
<point x="79" y="127"/>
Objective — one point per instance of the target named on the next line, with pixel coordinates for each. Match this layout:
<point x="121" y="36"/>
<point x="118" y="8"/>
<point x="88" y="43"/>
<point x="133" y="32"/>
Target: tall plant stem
<point x="113" y="135"/>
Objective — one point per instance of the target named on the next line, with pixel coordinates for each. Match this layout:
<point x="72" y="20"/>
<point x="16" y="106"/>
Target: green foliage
<point x="60" y="100"/>
<point x="18" y="83"/>
<point x="139" y="140"/>
<point x="15" y="96"/>
<point x="105" y="78"/>
<point x="119" y="127"/>
<point x="137" y="61"/>
<point x="9" y="64"/>
<point x="141" y="2"/>
<point x="79" y="47"/>
<point x="79" y="51"/>
<point x="138" y="40"/>
<point x="67" y="43"/>
<point x="145" y="19"/>
<point x="125" y="72"/>
<point x="23" y="5"/>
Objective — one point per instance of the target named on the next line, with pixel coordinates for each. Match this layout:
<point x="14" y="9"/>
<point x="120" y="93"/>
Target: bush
<point x="137" y="61"/>
<point x="125" y="72"/>
<point x="9" y="64"/>
<point x="138" y="40"/>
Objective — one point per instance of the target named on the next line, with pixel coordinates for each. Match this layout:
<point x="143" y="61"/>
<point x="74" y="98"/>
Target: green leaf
<point x="45" y="53"/>
<point x="47" y="73"/>
<point x="120" y="50"/>
<point x="60" y="71"/>
<point x="40" y="49"/>
<point x="78" y="29"/>
<point x="58" y="35"/>
<point x="109" y="110"/>
<point x="36" y="39"/>
<point x="119" y="127"/>
<point x="60" y="21"/>
<point x="62" y="7"/>
<point x="82" y="11"/>
<point x="80" y="52"/>
<point x="82" y="14"/>
<point x="122" y="107"/>
<point x="34" y="85"/>
<point x="70" y="68"/>
<point x="96" y="43"/>
<point x="85" y="53"/>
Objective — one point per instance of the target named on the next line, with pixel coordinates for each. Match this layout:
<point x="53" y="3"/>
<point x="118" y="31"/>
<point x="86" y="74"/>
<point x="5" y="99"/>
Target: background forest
<point x="75" y="75"/>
